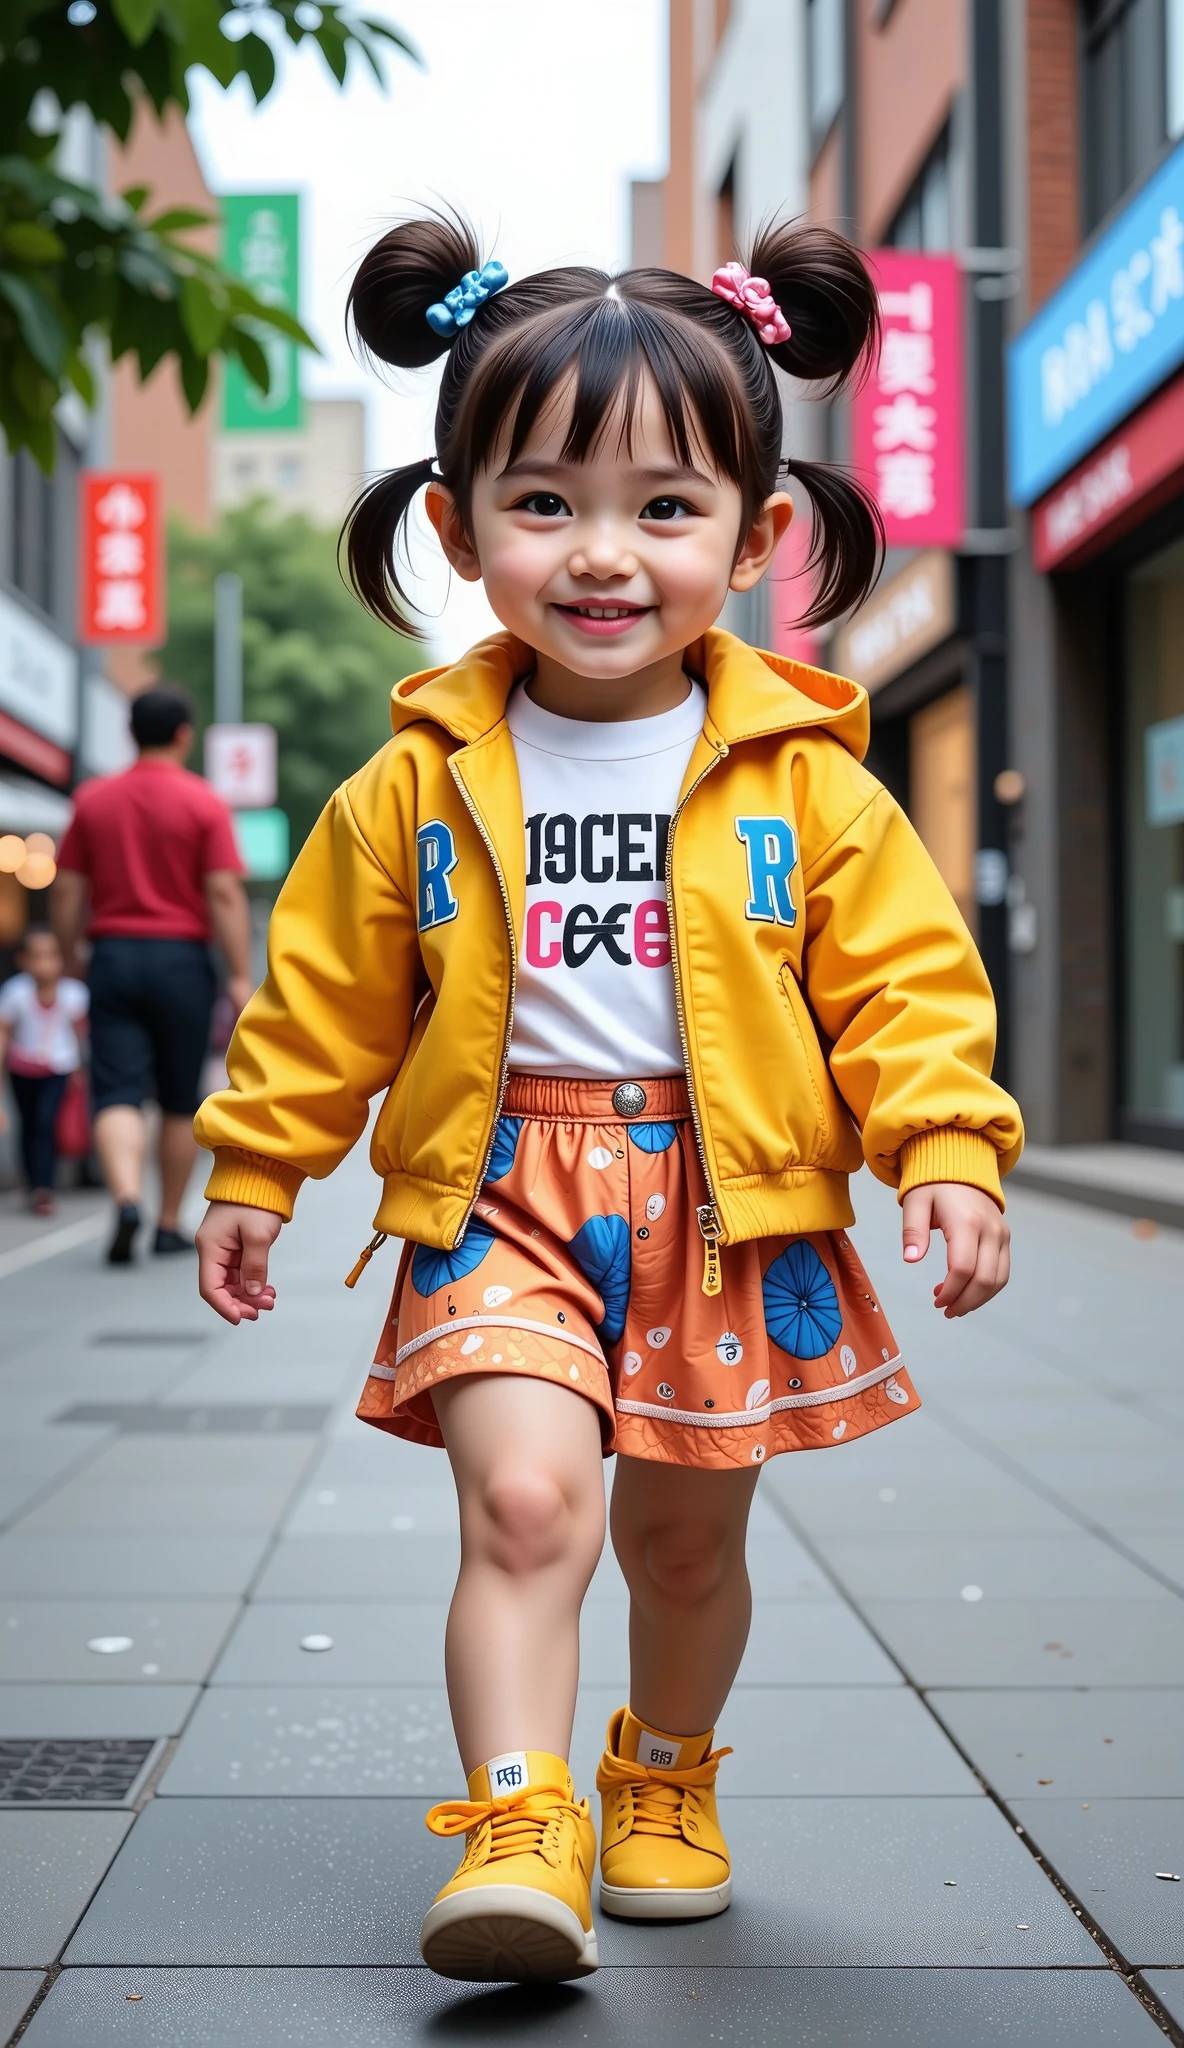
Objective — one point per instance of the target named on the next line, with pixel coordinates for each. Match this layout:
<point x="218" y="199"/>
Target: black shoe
<point x="119" y="1251"/>
<point x="171" y="1241"/>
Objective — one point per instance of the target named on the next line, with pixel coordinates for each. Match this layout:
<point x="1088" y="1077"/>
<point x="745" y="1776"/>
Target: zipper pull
<point x="711" y="1230"/>
<point x="379" y="1238"/>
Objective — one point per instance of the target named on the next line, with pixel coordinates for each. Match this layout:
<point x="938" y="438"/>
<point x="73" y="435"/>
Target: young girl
<point x="41" y="1012"/>
<point x="647" y="965"/>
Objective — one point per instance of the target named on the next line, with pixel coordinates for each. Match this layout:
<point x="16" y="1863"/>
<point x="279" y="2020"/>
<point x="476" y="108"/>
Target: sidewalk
<point x="958" y="1761"/>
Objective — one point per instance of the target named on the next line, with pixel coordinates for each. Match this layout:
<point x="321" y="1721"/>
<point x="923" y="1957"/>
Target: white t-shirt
<point x="43" y="1040"/>
<point x="595" y="986"/>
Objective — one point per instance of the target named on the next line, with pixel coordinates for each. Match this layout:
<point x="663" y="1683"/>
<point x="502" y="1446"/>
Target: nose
<point x="603" y="551"/>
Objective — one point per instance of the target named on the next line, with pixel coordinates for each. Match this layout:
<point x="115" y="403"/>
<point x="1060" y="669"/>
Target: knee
<point x="686" y="1562"/>
<point x="529" y="1523"/>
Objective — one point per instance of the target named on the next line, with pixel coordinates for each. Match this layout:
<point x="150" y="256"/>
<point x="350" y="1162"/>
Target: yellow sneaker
<point x="662" y="1854"/>
<point x="520" y="1905"/>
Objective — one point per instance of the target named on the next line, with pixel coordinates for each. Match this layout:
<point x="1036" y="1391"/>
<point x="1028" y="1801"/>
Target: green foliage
<point x="315" y="665"/>
<point x="75" y="265"/>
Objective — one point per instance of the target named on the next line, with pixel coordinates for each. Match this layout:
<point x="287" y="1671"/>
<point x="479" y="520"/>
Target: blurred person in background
<point x="149" y="870"/>
<point x="41" y="1010"/>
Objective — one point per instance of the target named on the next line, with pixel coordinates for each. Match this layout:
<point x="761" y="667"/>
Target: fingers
<point x="978" y="1264"/>
<point x="232" y="1247"/>
<point x="916" y="1215"/>
<point x="256" y="1240"/>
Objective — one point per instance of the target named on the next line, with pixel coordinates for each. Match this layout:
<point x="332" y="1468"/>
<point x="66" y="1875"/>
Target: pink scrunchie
<point x="751" y="296"/>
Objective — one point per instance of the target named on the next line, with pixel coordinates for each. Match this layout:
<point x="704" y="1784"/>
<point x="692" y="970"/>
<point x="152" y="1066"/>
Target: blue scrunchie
<point x="458" y="306"/>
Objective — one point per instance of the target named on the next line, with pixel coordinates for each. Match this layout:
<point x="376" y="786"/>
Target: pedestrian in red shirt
<point x="151" y="854"/>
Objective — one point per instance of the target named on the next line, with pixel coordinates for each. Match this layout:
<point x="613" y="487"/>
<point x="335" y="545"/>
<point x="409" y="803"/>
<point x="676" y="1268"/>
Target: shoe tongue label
<point x="508" y="1773"/>
<point x="657" y="1751"/>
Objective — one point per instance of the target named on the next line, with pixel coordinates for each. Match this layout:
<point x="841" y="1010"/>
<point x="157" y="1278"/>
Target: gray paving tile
<point x="820" y="1740"/>
<point x="1003" y="1567"/>
<point x="887" y="1883"/>
<point x="408" y="1567"/>
<point x="171" y="1641"/>
<point x="1168" y="1986"/>
<point x="87" y="1505"/>
<point x="915" y="1503"/>
<point x="1166" y="1553"/>
<point x="192" y="1566"/>
<point x="319" y="1741"/>
<point x="18" y="1989"/>
<point x="792" y="1643"/>
<point x="373" y="1643"/>
<point x="203" y="1460"/>
<point x="668" y="2008"/>
<point x="50" y="1864"/>
<point x="373" y="1510"/>
<point x="1099" y="1744"/>
<point x="1034" y="1642"/>
<point x="1108" y="1853"/>
<point x="58" y="1711"/>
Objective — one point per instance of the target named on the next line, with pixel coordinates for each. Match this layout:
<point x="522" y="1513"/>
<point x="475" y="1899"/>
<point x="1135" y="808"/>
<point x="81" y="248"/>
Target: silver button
<point x="629" y="1099"/>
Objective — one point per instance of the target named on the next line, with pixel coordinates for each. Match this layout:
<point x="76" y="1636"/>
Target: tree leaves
<point x="75" y="263"/>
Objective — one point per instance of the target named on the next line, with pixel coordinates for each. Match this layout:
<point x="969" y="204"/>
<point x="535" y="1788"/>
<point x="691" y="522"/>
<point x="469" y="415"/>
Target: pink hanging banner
<point x="906" y="422"/>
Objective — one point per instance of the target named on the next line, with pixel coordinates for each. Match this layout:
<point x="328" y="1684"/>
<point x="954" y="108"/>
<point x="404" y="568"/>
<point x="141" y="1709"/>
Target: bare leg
<point x="178" y="1150"/>
<point x="526" y="1457"/>
<point x="120" y="1144"/>
<point x="679" y="1539"/>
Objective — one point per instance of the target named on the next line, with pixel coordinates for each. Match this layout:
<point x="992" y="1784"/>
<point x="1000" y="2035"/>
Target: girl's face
<point x="613" y="564"/>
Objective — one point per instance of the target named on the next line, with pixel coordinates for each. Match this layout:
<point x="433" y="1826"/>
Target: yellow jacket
<point x="827" y="986"/>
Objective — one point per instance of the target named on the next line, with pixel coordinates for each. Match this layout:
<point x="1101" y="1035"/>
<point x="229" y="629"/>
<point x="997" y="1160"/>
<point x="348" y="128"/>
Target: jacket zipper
<point x="504" y="1076"/>
<point x="707" y="1215"/>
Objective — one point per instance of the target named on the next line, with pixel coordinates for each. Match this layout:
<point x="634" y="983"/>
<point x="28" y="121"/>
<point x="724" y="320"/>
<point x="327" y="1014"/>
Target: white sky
<point x="530" y="115"/>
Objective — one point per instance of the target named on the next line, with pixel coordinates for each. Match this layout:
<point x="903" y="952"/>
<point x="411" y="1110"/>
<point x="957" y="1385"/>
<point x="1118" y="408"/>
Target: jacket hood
<point x="749" y="693"/>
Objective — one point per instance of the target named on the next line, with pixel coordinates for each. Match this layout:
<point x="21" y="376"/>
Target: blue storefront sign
<point x="1111" y="334"/>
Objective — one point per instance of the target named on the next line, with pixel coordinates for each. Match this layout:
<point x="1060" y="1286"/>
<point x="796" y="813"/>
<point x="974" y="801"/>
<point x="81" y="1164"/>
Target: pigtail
<point x="373" y="538"/>
<point x="410" y="269"/>
<point x="824" y="288"/>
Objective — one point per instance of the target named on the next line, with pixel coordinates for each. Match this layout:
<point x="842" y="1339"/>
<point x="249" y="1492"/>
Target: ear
<point x="444" y="514"/>
<point x="760" y="542"/>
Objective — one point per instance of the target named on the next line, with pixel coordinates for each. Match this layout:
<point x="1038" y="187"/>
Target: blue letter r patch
<point x="772" y="849"/>
<point x="436" y="850"/>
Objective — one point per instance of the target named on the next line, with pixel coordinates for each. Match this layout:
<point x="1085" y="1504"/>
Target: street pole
<point x="228" y="649"/>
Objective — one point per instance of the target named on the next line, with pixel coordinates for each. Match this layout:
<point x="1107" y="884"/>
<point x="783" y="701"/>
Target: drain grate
<point x="149" y="1418"/>
<point x="76" y="1773"/>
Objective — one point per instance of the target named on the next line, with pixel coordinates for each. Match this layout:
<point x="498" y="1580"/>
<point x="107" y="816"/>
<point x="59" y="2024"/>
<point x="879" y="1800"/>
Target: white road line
<point x="51" y="1244"/>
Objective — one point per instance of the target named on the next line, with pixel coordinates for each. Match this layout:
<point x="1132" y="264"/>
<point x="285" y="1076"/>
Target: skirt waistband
<point x="553" y="1098"/>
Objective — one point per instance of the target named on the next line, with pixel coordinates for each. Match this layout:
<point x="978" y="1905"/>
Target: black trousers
<point x="38" y="1098"/>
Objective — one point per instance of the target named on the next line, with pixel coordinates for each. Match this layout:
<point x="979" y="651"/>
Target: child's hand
<point x="232" y="1247"/>
<point x="978" y="1241"/>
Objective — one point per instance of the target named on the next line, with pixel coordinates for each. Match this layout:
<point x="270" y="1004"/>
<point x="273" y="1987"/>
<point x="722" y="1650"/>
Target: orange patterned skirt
<point x="583" y="1264"/>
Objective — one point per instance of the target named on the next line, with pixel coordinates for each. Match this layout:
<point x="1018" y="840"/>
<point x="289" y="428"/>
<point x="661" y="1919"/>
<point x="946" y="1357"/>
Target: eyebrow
<point x="557" y="471"/>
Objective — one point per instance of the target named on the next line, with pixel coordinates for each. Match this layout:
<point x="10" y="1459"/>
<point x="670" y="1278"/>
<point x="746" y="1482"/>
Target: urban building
<point x="317" y="469"/>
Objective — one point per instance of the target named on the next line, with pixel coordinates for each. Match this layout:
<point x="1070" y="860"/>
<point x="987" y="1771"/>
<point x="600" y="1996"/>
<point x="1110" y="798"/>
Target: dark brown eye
<point x="544" y="505"/>
<point x="665" y="508"/>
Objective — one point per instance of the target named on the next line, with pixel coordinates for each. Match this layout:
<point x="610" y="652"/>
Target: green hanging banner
<point x="261" y="244"/>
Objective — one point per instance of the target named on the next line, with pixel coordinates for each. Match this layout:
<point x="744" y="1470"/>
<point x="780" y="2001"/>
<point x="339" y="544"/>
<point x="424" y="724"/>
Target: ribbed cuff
<point x="257" y="1182"/>
<point x="950" y="1154"/>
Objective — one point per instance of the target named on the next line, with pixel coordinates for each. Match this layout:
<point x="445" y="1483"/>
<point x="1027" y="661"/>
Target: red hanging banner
<point x="121" y="560"/>
<point x="907" y="435"/>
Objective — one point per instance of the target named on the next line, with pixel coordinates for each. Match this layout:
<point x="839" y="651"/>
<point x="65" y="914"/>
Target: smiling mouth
<point x="604" y="611"/>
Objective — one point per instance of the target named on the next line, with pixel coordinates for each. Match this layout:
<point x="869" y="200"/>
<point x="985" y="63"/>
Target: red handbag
<point x="71" y="1131"/>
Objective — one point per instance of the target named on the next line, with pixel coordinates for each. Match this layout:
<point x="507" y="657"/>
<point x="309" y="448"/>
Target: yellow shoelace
<point x="517" y="1823"/>
<point x="657" y="1795"/>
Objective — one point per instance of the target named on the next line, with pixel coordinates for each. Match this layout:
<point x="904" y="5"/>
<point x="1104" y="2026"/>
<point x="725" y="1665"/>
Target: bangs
<point x="602" y="354"/>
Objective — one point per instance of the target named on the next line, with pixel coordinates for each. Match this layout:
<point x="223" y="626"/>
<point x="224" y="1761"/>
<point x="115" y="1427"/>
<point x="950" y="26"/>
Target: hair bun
<point x="409" y="270"/>
<point x="826" y="293"/>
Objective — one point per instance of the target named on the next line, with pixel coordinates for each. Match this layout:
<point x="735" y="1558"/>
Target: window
<point x="1133" y="93"/>
<point x="824" y="22"/>
<point x="725" y="217"/>
<point x="923" y="221"/>
<point x="32" y="528"/>
<point x="289" y="472"/>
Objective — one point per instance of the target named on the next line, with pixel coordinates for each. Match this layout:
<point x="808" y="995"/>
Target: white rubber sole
<point x="657" y="1902"/>
<point x="506" y="1933"/>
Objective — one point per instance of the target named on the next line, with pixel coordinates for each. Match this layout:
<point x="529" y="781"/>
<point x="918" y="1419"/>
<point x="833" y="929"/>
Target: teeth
<point x="602" y="611"/>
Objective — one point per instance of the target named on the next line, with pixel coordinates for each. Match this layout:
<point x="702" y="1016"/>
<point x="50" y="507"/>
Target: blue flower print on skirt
<point x="653" y="1137"/>
<point x="601" y="1248"/>
<point x="802" y="1313"/>
<point x="505" y="1145"/>
<point x="431" y="1269"/>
